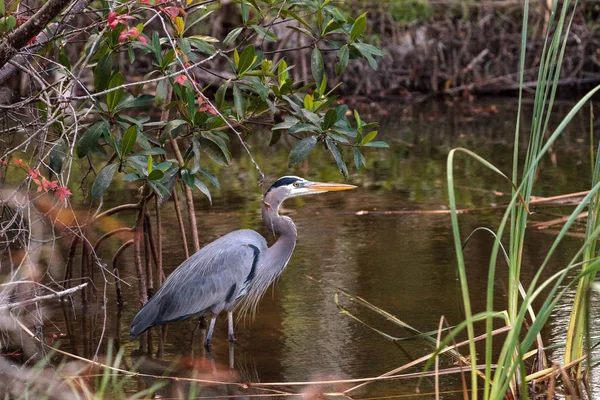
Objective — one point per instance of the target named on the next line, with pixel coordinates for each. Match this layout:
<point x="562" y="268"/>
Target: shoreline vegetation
<point x="469" y="47"/>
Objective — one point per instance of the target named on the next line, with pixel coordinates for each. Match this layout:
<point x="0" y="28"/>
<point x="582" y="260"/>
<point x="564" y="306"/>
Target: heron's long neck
<point x="283" y="227"/>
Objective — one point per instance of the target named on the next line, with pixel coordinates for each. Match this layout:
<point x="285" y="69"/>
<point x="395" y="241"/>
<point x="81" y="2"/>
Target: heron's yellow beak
<point x="319" y="187"/>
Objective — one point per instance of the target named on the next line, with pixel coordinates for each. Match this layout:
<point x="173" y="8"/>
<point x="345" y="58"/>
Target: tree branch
<point x="63" y="293"/>
<point x="19" y="38"/>
<point x="42" y="39"/>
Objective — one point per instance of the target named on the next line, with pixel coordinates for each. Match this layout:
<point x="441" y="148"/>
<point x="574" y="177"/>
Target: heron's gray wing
<point x="210" y="280"/>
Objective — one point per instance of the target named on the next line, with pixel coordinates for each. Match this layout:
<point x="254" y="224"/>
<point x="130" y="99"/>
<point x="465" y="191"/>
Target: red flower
<point x="18" y="162"/>
<point x="35" y="176"/>
<point x="172" y="11"/>
<point x="33" y="173"/>
<point x="114" y="20"/>
<point x="181" y="79"/>
<point x="63" y="192"/>
<point x="206" y="107"/>
<point x="49" y="186"/>
<point x="132" y="33"/>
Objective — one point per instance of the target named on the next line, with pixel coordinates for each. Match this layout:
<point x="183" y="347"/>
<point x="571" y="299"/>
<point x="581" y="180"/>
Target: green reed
<point x="509" y="375"/>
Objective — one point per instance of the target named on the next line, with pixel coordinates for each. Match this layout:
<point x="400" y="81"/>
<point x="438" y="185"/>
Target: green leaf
<point x="165" y="165"/>
<point x="298" y="18"/>
<point x="230" y="38"/>
<point x="161" y="92"/>
<point x="368" y="51"/>
<point x="343" y="57"/>
<point x="368" y="137"/>
<point x="161" y="190"/>
<point x="2" y="8"/>
<point x="259" y="87"/>
<point x="238" y="102"/>
<point x="89" y="142"/>
<point x="359" y="159"/>
<point x="303" y="31"/>
<point x="155" y="46"/>
<point x="102" y="181"/>
<point x="220" y="96"/>
<point x="303" y="128"/>
<point x="282" y="72"/>
<point x="155" y="151"/>
<point x="187" y="177"/>
<point x="337" y="137"/>
<point x="113" y="98"/>
<point x="130" y="177"/>
<point x="196" y="152"/>
<point x="357" y="118"/>
<point x="341" y="111"/>
<point x="317" y="66"/>
<point x="216" y="151"/>
<point x="173" y="125"/>
<point x="312" y="117"/>
<point x="337" y="155"/>
<point x="102" y="72"/>
<point x="323" y="86"/>
<point x="245" y="11"/>
<point x="143" y="141"/>
<point x="155" y="175"/>
<point x="179" y="26"/>
<point x="331" y="26"/>
<point x="149" y="165"/>
<point x="247" y="58"/>
<point x="212" y="178"/>
<point x="301" y="150"/>
<point x="331" y="118"/>
<point x="365" y="48"/>
<point x="8" y="23"/>
<point x="129" y="139"/>
<point x="202" y="187"/>
<point x="202" y="44"/>
<point x="265" y="34"/>
<point x="236" y="58"/>
<point x="131" y="54"/>
<point x="286" y="124"/>
<point x="130" y="102"/>
<point x="377" y="144"/>
<point x="358" y="27"/>
<point x="308" y="102"/>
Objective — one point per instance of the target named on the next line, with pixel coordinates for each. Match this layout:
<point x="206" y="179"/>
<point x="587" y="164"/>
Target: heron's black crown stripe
<point x="286" y="180"/>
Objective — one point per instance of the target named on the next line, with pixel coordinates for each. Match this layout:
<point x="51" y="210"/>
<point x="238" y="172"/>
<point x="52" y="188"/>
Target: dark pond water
<point x="397" y="256"/>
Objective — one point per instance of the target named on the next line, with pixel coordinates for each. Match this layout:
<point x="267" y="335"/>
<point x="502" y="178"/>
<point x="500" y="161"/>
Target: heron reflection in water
<point x="234" y="270"/>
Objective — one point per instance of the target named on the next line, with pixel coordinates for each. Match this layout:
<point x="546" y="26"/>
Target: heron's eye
<point x="296" y="184"/>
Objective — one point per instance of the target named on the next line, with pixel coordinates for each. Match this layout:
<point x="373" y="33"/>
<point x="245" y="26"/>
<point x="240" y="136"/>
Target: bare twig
<point x="43" y="38"/>
<point x="115" y="261"/>
<point x="37" y="299"/>
<point x="29" y="29"/>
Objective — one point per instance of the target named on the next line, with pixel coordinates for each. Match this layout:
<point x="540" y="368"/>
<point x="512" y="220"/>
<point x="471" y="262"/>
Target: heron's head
<point x="294" y="186"/>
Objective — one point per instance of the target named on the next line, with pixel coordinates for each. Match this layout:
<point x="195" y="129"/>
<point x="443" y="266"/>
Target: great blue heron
<point x="235" y="269"/>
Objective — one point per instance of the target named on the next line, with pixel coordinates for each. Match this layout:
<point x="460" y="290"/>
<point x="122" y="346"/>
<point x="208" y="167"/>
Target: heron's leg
<point x="230" y="324"/>
<point x="211" y="328"/>
<point x="231" y="355"/>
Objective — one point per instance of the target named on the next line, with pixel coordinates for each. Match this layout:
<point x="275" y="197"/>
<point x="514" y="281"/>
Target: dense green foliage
<point x="261" y="87"/>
